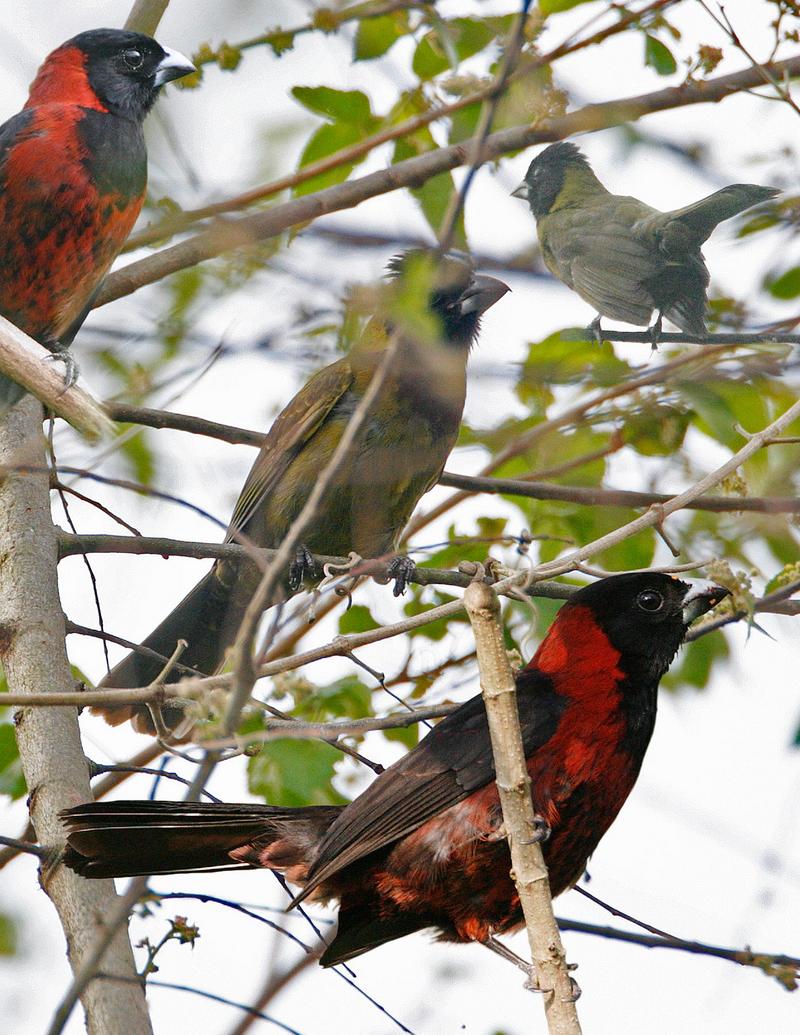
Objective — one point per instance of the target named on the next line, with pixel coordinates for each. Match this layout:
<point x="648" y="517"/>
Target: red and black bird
<point x="73" y="175"/>
<point x="423" y="846"/>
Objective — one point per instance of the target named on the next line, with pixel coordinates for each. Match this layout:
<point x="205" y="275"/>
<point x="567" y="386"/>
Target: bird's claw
<point x="63" y="355"/>
<point x="532" y="982"/>
<point x="541" y="831"/>
<point x="655" y="332"/>
<point x="401" y="570"/>
<point x="595" y="329"/>
<point x="301" y="568"/>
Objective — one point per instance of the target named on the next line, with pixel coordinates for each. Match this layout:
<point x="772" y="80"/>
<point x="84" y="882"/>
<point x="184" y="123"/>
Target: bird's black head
<point x="112" y="69"/>
<point x="457" y="295"/>
<point x="546" y="174"/>
<point x="645" y="617"/>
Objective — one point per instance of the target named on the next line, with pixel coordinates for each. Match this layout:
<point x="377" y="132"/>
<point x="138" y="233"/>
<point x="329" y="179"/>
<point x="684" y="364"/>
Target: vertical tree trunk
<point x="34" y="657"/>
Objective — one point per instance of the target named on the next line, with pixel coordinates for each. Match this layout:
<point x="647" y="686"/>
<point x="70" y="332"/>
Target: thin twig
<point x="204" y="994"/>
<point x="455" y="206"/>
<point x="764" y="961"/>
<point x="599" y="497"/>
<point x="679" y="338"/>
<point x="182" y="422"/>
<point x="25" y="847"/>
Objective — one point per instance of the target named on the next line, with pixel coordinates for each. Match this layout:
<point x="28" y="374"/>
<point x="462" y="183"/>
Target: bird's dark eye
<point x="133" y="59"/>
<point x="649" y="600"/>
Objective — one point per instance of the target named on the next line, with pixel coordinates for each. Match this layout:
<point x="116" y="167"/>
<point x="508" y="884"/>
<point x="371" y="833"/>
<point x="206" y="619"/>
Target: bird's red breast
<point x="72" y="184"/>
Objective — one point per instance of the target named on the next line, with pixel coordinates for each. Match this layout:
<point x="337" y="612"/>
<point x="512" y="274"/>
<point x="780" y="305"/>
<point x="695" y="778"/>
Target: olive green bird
<point x="621" y="256"/>
<point x="399" y="454"/>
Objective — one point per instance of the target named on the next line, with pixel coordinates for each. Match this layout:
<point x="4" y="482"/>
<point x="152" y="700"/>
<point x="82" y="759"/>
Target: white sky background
<point x="708" y="846"/>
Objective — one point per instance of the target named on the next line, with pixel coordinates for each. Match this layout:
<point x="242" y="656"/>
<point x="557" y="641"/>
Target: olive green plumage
<point x="623" y="257"/>
<point x="399" y="453"/>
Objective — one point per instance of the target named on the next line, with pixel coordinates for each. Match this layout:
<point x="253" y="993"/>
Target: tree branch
<point x="470" y="483"/>
<point x="145" y="16"/>
<point x="30" y="365"/>
<point x="770" y="963"/>
<point x="71" y="545"/>
<point x="519" y="819"/>
<point x="248" y="230"/>
<point x="33" y="655"/>
<point x="575" y="413"/>
<point x="677" y="338"/>
<point x="594" y="497"/>
<point x="150" y="418"/>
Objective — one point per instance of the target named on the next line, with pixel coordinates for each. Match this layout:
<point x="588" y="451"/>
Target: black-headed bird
<point x="587" y="708"/>
<point x="621" y="256"/>
<point x="399" y="453"/>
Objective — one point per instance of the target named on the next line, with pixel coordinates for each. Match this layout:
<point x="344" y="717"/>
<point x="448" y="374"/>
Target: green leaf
<point x="8" y="936"/>
<point x="435" y="630"/>
<point x="434" y="195"/>
<point x="12" y="782"/>
<point x="140" y="457"/>
<point x="658" y="56"/>
<point x="324" y="141"/>
<point x="408" y="736"/>
<point x="560" y="360"/>
<point x="295" y="773"/>
<point x="449" y="43"/>
<point x="350" y="106"/>
<point x="556" y="6"/>
<point x="357" y="619"/>
<point x="787" y="285"/>
<point x="375" y="36"/>
<point x="657" y="431"/>
<point x="722" y="405"/>
<point x="346" y="698"/>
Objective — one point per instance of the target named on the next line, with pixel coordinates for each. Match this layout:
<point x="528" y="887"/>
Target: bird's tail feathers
<point x="702" y="216"/>
<point x="204" y="620"/>
<point x="132" y="838"/>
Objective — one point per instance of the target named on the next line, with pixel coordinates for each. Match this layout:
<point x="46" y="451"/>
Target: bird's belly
<point x="371" y="498"/>
<point x="455" y="869"/>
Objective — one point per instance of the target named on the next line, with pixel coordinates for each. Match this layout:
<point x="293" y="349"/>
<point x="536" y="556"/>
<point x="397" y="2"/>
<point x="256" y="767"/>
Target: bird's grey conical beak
<point x="172" y="66"/>
<point x="482" y="294"/>
<point x="523" y="191"/>
<point x="702" y="596"/>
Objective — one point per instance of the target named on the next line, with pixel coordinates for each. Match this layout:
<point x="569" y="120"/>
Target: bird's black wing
<point x="452" y="761"/>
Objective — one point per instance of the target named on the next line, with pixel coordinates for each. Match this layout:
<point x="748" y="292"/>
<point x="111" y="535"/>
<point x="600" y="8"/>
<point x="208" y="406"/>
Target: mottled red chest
<point x="61" y="226"/>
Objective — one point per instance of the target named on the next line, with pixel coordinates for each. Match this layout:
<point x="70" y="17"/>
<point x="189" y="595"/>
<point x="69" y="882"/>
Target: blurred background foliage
<point x="660" y="436"/>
